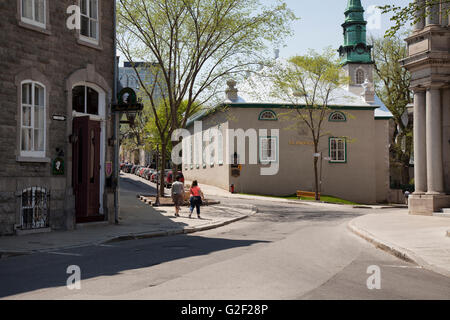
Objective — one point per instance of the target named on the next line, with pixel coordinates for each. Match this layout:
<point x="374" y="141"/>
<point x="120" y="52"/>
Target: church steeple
<point x="355" y="48"/>
<point x="355" y="54"/>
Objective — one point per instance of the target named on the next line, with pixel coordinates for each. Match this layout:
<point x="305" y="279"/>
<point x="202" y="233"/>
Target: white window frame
<point x="87" y="15"/>
<point x="274" y="146"/>
<point x="93" y="116"/>
<point x="220" y="146"/>
<point x="335" y="154"/>
<point x="33" y="21"/>
<point x="32" y="153"/>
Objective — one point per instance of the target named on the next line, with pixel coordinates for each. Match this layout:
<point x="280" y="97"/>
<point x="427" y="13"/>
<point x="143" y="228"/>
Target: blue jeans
<point x="195" y="202"/>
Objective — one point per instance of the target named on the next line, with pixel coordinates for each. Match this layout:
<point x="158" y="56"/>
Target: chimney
<point x="276" y="53"/>
<point x="368" y="92"/>
<point x="231" y="92"/>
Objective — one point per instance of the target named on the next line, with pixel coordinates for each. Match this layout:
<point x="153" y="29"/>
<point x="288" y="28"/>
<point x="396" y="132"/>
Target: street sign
<point x="58" y="117"/>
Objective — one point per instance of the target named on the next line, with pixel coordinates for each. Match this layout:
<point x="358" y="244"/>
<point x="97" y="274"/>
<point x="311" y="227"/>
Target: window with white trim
<point x="33" y="119"/>
<point x="85" y="100"/>
<point x="338" y="150"/>
<point x="268" y="149"/>
<point x="337" y="117"/>
<point x="220" y="146"/>
<point x="89" y="20"/>
<point x="33" y="12"/>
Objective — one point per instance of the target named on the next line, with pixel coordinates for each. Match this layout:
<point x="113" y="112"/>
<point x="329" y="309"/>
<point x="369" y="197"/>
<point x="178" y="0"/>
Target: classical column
<point x="420" y="24"/>
<point x="420" y="152"/>
<point x="433" y="14"/>
<point x="435" y="170"/>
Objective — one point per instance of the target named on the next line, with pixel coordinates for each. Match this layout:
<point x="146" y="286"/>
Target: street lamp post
<point x="157" y="203"/>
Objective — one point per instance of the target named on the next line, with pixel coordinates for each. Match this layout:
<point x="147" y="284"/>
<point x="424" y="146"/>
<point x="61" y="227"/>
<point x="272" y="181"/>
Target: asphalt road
<point x="283" y="252"/>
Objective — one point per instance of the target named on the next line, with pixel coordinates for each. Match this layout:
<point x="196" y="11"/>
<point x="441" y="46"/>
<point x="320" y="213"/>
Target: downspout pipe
<point x="116" y="122"/>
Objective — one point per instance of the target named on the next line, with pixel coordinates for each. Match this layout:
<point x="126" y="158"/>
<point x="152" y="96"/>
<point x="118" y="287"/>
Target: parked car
<point x="154" y="177"/>
<point x="168" y="180"/>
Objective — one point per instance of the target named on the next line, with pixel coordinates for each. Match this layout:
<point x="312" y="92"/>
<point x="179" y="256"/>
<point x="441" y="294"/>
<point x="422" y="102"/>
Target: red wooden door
<point x="86" y="169"/>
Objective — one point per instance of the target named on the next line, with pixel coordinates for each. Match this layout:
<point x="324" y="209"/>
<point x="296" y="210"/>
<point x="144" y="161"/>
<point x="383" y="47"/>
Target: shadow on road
<point x="46" y="270"/>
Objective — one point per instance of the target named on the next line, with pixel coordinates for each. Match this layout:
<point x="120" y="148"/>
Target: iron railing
<point x="35" y="209"/>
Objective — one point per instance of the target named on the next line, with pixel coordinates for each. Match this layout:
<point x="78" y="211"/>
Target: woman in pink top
<point x="196" y="198"/>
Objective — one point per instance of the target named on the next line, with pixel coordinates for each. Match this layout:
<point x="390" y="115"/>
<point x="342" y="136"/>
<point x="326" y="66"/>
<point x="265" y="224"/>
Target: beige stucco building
<point x="429" y="65"/>
<point x="277" y="156"/>
<point x="355" y="162"/>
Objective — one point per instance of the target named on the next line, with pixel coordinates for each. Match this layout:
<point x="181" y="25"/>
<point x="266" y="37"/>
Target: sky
<point x="320" y="23"/>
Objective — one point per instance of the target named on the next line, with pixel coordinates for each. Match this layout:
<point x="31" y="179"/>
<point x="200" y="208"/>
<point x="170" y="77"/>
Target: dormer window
<point x="268" y="115"/>
<point x="337" y="117"/>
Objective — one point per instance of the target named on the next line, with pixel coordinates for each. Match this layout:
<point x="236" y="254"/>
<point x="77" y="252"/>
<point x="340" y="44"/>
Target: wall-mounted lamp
<point x="111" y="142"/>
<point x="73" y="138"/>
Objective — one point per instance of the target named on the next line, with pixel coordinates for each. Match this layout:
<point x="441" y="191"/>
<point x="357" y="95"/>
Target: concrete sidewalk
<point x="420" y="239"/>
<point x="137" y="221"/>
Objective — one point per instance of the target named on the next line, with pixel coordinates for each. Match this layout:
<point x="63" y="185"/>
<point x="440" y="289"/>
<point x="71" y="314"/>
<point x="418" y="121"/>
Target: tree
<point x="414" y="12"/>
<point x="309" y="82"/>
<point x="197" y="43"/>
<point x="392" y="84"/>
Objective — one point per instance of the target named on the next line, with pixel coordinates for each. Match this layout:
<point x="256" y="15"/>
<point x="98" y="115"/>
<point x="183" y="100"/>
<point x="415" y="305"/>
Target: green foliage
<point x="308" y="80"/>
<point x="199" y="42"/>
<point x="392" y="85"/>
<point x="413" y="12"/>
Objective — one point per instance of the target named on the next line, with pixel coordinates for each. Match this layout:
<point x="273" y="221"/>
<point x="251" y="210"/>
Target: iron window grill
<point x="35" y="208"/>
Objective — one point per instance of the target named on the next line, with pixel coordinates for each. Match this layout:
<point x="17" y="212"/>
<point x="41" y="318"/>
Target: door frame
<point x="101" y="117"/>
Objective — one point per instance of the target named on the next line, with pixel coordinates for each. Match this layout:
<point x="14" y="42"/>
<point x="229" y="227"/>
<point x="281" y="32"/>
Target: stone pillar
<point x="420" y="152"/>
<point x="435" y="172"/>
<point x="433" y="14"/>
<point x="420" y="24"/>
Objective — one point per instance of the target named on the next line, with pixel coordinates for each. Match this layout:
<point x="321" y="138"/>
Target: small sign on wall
<point x="58" y="117"/>
<point x="108" y="169"/>
<point x="58" y="166"/>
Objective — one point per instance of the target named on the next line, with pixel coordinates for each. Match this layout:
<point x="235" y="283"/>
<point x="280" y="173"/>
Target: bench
<point x="306" y="194"/>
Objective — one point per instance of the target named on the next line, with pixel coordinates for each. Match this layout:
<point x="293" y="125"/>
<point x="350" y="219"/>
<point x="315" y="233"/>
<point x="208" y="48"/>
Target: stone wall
<point x="55" y="54"/>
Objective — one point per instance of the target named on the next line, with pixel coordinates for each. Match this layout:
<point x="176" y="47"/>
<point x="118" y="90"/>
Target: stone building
<point x="428" y="62"/>
<point x="56" y="87"/>
<point x="354" y="156"/>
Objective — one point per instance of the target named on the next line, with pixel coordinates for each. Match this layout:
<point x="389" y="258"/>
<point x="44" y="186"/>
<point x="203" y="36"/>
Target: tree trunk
<point x="163" y="165"/>
<point x="405" y="175"/>
<point x="316" y="173"/>
<point x="316" y="179"/>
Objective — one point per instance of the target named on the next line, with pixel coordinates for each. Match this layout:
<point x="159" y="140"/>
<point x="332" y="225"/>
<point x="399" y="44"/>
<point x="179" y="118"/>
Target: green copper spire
<point x="355" y="48"/>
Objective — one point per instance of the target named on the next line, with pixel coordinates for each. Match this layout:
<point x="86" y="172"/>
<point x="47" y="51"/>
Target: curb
<point x="399" y="252"/>
<point x="186" y="230"/>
